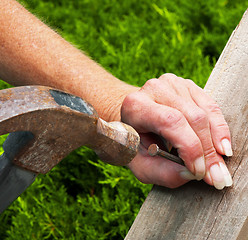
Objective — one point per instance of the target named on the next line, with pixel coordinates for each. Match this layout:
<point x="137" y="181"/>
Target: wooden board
<point x="196" y="210"/>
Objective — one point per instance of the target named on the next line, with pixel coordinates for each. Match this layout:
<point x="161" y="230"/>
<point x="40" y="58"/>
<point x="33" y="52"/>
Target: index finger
<point x="170" y="124"/>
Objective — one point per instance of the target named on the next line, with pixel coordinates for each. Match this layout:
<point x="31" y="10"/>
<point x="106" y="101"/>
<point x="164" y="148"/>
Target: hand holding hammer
<point x="45" y="125"/>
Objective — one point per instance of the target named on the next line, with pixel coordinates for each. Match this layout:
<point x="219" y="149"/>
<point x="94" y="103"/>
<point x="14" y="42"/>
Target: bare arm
<point x="32" y="53"/>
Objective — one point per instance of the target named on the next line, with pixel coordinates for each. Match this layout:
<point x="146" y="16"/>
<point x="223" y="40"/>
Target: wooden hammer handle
<point x="117" y="142"/>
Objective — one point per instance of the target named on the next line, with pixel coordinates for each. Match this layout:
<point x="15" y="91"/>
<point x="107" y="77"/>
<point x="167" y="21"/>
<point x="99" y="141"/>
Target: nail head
<point x="153" y="150"/>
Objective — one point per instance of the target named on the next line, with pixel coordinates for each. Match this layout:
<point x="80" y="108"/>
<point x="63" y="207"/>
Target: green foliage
<point x="82" y="198"/>
<point x="79" y="199"/>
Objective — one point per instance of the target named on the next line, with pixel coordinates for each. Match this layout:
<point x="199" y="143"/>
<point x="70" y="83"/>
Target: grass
<point x="83" y="198"/>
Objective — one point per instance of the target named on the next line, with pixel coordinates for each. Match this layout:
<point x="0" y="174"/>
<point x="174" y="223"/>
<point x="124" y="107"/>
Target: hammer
<point x="45" y="125"/>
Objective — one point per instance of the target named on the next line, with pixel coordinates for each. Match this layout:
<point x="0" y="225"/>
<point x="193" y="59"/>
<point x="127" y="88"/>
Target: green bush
<point x="83" y="198"/>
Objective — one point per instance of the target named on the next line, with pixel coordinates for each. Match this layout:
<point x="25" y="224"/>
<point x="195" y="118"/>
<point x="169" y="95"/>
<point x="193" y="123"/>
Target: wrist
<point x="103" y="91"/>
<point x="111" y="111"/>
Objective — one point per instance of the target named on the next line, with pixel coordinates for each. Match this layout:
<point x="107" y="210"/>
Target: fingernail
<point x="208" y="176"/>
<point x="217" y="176"/>
<point x="227" y="175"/>
<point x="187" y="175"/>
<point x="200" y="168"/>
<point x="227" y="148"/>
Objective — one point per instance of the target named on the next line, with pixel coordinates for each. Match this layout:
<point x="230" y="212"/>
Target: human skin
<point x="174" y="108"/>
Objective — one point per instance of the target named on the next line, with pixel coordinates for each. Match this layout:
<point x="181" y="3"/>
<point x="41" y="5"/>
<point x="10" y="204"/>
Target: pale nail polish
<point x="217" y="176"/>
<point x="200" y="168"/>
<point x="227" y="148"/>
<point x="227" y="175"/>
<point x="187" y="175"/>
<point x="208" y="176"/>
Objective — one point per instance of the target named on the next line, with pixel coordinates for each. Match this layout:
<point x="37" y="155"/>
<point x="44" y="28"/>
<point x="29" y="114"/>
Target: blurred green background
<point x="83" y="198"/>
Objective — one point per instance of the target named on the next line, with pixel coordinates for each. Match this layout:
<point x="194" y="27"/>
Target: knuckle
<point x="214" y="107"/>
<point x="192" y="148"/>
<point x="151" y="84"/>
<point x="181" y="80"/>
<point x="223" y="126"/>
<point x="191" y="82"/>
<point x="130" y="103"/>
<point x="199" y="117"/>
<point x="209" y="153"/>
<point x="221" y="130"/>
<point x="168" y="76"/>
<point x="129" y="100"/>
<point x="173" y="118"/>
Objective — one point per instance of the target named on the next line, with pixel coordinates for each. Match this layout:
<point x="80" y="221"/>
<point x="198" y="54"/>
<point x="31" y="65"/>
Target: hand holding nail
<point x="182" y="113"/>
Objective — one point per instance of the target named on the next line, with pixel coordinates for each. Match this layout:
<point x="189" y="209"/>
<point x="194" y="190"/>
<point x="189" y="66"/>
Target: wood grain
<point x="196" y="210"/>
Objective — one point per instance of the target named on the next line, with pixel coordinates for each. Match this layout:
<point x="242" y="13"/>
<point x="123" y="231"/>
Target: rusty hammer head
<point x="47" y="124"/>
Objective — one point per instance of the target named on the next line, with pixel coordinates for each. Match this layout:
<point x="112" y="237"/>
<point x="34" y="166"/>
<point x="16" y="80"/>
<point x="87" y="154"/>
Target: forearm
<point x="32" y="53"/>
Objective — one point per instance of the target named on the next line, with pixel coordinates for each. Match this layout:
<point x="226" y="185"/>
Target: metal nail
<point x="154" y="150"/>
